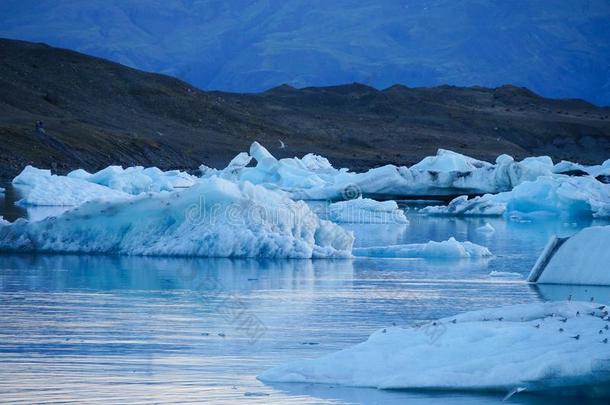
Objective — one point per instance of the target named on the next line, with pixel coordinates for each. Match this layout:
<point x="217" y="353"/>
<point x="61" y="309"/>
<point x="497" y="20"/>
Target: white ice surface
<point x="582" y="259"/>
<point x="494" y="349"/>
<point x="447" y="173"/>
<point x="215" y="218"/>
<point x="449" y="249"/>
<point x="40" y="187"/>
<point x="137" y="179"/>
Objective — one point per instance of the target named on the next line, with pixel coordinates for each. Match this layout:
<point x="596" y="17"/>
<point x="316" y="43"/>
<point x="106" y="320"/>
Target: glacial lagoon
<point x="130" y="329"/>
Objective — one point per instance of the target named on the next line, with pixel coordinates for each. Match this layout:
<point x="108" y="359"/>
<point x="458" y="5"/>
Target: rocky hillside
<point x="96" y="113"/>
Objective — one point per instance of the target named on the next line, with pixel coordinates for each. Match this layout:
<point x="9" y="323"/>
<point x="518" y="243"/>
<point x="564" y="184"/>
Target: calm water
<point x="142" y="330"/>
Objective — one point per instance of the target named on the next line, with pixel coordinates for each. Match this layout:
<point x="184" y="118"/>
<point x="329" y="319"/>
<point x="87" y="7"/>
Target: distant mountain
<point x="557" y="48"/>
<point x="96" y="113"/>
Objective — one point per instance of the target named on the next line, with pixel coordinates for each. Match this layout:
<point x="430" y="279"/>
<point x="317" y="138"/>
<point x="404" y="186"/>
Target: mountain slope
<point x="97" y="113"/>
<point x="558" y="49"/>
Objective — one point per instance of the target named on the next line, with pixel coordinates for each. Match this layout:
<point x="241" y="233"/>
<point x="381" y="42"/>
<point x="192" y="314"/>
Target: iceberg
<point x="366" y="211"/>
<point x="570" y="169"/>
<point x="445" y="174"/>
<point x="561" y="196"/>
<point x="582" y="259"/>
<point x="40" y="187"/>
<point x="213" y="218"/>
<point x="486" y="205"/>
<point x="137" y="179"/>
<point x="553" y="347"/>
<point x="449" y="249"/>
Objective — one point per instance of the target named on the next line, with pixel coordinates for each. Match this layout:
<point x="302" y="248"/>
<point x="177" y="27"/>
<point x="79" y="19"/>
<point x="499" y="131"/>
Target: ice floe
<point x="557" y="347"/>
<point x="214" y="218"/>
<point x="367" y="211"/>
<point x="449" y="249"/>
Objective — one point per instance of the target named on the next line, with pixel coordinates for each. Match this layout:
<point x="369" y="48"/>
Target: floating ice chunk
<point x="214" y="218"/>
<point x="582" y="259"/>
<point x="504" y="159"/>
<point x="367" y="211"/>
<point x="462" y="206"/>
<point x="561" y="196"/>
<point x="447" y="173"/>
<point x="286" y="174"/>
<point x="79" y="174"/>
<point x="487" y="228"/>
<point x="137" y="179"/>
<point x="448" y="161"/>
<point x="529" y="169"/>
<point x="542" y="347"/>
<point x="236" y="165"/>
<point x="317" y="163"/>
<point x="240" y="161"/>
<point x="449" y="249"/>
<point x="232" y="171"/>
<point x="570" y="168"/>
<point x="505" y="274"/>
<point x="206" y="172"/>
<point x="40" y="187"/>
<point x="258" y="152"/>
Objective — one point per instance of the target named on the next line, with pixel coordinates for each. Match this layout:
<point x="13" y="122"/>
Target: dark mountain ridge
<point x="97" y="113"/>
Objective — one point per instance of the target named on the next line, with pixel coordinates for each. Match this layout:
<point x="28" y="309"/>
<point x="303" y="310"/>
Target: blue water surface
<point x="157" y="330"/>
